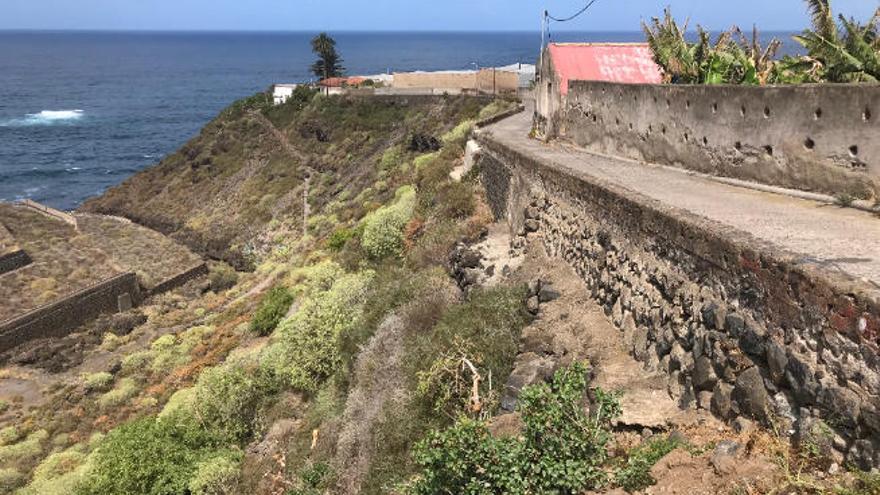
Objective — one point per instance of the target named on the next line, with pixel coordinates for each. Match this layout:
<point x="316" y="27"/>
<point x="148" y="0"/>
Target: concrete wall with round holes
<point x="823" y="138"/>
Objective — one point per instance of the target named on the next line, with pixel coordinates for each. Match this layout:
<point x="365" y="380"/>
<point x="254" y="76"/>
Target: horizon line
<point x="342" y="31"/>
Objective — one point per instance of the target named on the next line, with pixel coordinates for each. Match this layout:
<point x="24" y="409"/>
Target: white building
<point x="282" y="92"/>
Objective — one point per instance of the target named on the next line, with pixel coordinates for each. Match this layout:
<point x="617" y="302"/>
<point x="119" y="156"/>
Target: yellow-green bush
<point x="124" y="390"/>
<point x="227" y="398"/>
<point x="100" y="381"/>
<point x="306" y="350"/>
<point x="10" y="479"/>
<point x="315" y="278"/>
<point x="59" y="473"/>
<point x="149" y="457"/>
<point x="28" y="448"/>
<point x="383" y="228"/>
<point x="9" y="434"/>
<point x="425" y="160"/>
<point x="459" y="134"/>
<point x="217" y="475"/>
<point x="180" y="403"/>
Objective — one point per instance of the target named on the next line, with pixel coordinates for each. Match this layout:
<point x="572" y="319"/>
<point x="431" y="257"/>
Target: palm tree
<point x="329" y="63"/>
<point x="846" y="53"/>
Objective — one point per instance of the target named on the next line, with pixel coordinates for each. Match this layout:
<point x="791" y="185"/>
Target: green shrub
<point x="425" y="160"/>
<point x="316" y="278"/>
<point x="561" y="450"/>
<point x="272" y="309"/>
<point x="222" y="277"/>
<point x="217" y="475"/>
<point x="9" y="435"/>
<point x="392" y="158"/>
<point x="28" y="448"/>
<point x="124" y="390"/>
<point x="149" y="457"/>
<point x="58" y="474"/>
<point x="136" y="363"/>
<point x="100" y="381"/>
<point x="383" y="228"/>
<point x="339" y="238"/>
<point x="485" y="330"/>
<point x="635" y="475"/>
<point x="10" y="479"/>
<point x="458" y="136"/>
<point x="455" y="200"/>
<point x="4" y="406"/>
<point x="180" y="404"/>
<point x="307" y="347"/>
<point x="228" y="397"/>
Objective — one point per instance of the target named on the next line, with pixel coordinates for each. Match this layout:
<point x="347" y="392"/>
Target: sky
<point x="400" y="15"/>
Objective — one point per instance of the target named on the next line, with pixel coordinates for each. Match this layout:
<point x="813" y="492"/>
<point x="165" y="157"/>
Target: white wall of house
<point x="283" y="92"/>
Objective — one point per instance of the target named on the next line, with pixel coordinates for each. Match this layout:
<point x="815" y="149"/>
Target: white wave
<point x="46" y="117"/>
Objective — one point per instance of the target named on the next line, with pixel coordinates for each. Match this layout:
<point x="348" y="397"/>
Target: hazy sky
<point x="397" y="14"/>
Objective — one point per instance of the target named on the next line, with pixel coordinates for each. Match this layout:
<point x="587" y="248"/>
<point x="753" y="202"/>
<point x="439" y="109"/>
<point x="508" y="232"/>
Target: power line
<point x="570" y="18"/>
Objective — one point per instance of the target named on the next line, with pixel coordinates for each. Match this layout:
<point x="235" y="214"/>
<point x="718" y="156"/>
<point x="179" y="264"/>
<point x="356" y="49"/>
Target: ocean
<point x="83" y="111"/>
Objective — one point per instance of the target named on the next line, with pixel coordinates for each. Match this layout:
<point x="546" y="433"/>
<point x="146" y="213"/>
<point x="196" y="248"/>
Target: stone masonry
<point x="739" y="327"/>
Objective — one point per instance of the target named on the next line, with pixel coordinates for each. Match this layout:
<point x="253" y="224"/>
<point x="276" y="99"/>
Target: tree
<point x="329" y="63"/>
<point x="848" y="53"/>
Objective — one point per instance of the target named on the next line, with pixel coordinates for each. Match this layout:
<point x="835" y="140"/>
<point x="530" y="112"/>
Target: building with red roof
<point x="561" y="63"/>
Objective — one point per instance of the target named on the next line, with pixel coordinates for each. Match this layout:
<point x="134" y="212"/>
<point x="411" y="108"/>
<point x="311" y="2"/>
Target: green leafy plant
<point x="273" y="308"/>
<point x="150" y="457"/>
<point x="635" y="474"/>
<point x="383" y="228"/>
<point x="306" y="350"/>
<point x="561" y="450"/>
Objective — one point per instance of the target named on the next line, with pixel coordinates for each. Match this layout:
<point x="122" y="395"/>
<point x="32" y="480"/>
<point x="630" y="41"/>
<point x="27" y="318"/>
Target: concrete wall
<point x="484" y="80"/>
<point x="823" y="138"/>
<point x="62" y="317"/>
<point x="737" y="327"/>
<point x="548" y="98"/>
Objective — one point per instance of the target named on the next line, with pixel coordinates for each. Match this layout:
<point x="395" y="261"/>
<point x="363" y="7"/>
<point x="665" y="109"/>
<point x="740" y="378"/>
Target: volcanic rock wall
<point x="740" y="328"/>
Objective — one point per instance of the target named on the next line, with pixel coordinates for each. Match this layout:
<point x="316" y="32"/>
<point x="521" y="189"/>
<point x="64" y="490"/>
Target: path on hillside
<point x="835" y="238"/>
<point x="299" y="157"/>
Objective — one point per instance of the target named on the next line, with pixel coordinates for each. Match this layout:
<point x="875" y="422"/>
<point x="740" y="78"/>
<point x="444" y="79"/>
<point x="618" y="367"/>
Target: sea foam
<point x="46" y="117"/>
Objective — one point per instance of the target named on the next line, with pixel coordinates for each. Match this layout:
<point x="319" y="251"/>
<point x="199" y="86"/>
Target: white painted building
<point x="282" y="92"/>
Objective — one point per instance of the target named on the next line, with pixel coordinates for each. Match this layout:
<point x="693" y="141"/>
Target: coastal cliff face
<point x="392" y="337"/>
<point x="254" y="171"/>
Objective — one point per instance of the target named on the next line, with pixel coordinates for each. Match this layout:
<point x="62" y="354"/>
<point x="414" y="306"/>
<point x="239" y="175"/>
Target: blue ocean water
<point x="82" y="111"/>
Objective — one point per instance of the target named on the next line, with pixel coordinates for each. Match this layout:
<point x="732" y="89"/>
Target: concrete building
<point x="282" y="92"/>
<point x="561" y="63"/>
<point x="489" y="80"/>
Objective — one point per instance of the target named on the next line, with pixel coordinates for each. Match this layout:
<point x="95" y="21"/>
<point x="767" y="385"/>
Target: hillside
<point x="247" y="170"/>
<point x="399" y="341"/>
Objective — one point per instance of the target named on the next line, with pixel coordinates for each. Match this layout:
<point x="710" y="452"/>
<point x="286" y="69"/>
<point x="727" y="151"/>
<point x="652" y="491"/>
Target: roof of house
<point x="338" y="82"/>
<point x="630" y="63"/>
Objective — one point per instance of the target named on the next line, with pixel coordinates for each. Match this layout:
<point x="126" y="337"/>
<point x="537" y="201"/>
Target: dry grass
<point x="66" y="260"/>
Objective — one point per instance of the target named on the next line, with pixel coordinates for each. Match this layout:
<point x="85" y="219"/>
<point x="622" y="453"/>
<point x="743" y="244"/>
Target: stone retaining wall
<point x="811" y="137"/>
<point x="13" y="261"/>
<point x="193" y="273"/>
<point x="739" y="327"/>
<point x="60" y="318"/>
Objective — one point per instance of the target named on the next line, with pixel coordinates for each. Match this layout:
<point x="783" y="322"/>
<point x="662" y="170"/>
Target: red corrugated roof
<point x="630" y="63"/>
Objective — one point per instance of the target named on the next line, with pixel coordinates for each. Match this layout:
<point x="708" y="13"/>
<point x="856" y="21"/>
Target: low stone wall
<point x="62" y="317"/>
<point x="13" y="261"/>
<point x="193" y="273"/>
<point x="739" y="328"/>
<point x="810" y="137"/>
<point x="49" y="212"/>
